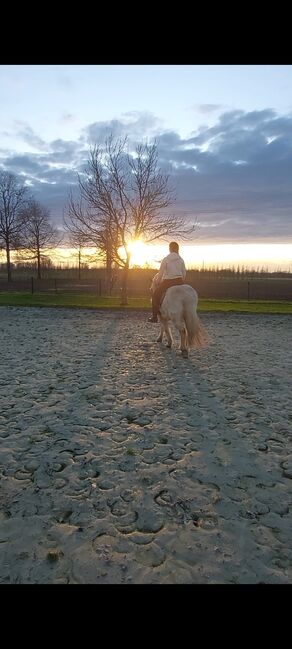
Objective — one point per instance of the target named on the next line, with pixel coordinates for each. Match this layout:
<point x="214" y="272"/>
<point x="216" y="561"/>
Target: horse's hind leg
<point x="160" y="337"/>
<point x="184" y="342"/>
<point x="168" y="335"/>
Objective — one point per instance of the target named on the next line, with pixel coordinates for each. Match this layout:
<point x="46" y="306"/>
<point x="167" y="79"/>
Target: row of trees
<point x="25" y="224"/>
<point x="120" y="197"/>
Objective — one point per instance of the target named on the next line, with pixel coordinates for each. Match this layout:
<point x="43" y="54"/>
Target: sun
<point x="144" y="255"/>
<point x="139" y="252"/>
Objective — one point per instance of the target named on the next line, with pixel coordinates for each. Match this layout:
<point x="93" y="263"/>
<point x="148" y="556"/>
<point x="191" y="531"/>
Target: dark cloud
<point x="233" y="177"/>
<point x="25" y="164"/>
<point x="65" y="151"/>
<point x="136" y="125"/>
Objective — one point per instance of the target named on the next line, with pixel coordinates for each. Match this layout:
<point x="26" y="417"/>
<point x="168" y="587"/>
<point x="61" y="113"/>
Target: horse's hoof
<point x="168" y="345"/>
<point x="185" y="353"/>
<point x="159" y="340"/>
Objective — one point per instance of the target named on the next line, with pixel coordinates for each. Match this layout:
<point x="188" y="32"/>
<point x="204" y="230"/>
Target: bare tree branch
<point x="123" y="197"/>
<point x="39" y="235"/>
<point x="13" y="197"/>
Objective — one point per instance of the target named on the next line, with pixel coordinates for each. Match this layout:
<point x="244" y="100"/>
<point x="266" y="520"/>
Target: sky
<point x="223" y="132"/>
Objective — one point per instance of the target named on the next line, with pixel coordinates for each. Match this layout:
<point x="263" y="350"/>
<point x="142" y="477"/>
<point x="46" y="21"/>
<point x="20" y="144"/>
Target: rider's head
<point x="173" y="246"/>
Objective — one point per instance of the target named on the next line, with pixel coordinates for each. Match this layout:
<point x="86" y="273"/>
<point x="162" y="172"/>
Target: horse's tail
<point x="197" y="335"/>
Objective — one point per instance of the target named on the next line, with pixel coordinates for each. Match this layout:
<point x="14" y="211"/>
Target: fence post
<point x="32" y="288"/>
<point x="248" y="290"/>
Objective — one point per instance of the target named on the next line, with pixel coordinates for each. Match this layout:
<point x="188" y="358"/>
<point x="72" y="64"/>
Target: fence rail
<point x="219" y="288"/>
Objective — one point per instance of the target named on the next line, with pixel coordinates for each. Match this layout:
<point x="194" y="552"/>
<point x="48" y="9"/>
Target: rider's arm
<point x="184" y="269"/>
<point x="161" y="270"/>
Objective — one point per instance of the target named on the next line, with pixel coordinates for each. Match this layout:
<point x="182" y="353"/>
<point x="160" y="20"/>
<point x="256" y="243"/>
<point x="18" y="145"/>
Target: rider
<point x="171" y="273"/>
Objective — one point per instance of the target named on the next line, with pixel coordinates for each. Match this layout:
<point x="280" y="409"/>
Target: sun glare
<point x="140" y="253"/>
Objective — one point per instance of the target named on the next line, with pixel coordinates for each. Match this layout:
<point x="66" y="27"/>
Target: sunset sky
<point x="224" y="132"/>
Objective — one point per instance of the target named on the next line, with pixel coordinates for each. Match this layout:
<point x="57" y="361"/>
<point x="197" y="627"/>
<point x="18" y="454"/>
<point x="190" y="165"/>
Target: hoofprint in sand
<point x="122" y="462"/>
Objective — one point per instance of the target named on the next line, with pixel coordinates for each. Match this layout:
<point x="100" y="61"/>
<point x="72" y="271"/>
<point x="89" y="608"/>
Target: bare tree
<point x="79" y="243"/>
<point x="39" y="234"/>
<point x="76" y="242"/>
<point x="124" y="197"/>
<point x="13" y="198"/>
<point x="92" y="229"/>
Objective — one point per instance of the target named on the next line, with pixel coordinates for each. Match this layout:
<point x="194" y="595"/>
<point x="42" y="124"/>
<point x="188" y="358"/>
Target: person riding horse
<point x="172" y="272"/>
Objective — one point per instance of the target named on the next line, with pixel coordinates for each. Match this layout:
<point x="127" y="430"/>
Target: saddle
<point x="165" y="291"/>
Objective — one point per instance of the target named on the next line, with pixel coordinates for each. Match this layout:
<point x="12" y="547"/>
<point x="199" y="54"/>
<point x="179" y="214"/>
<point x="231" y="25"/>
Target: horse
<point x="179" y="307"/>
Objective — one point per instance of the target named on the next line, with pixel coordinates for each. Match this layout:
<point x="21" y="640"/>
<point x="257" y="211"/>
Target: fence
<point x="139" y="285"/>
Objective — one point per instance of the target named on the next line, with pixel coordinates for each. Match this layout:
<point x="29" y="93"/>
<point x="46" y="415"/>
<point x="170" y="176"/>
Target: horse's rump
<point x="179" y="305"/>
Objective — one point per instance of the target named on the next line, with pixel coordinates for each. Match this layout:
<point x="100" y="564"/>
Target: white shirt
<point x="172" y="266"/>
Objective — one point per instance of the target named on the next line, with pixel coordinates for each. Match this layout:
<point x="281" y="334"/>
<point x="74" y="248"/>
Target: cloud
<point x="207" y="108"/>
<point x="30" y="137"/>
<point x="25" y="164"/>
<point x="137" y="125"/>
<point x="234" y="177"/>
<point x="63" y="150"/>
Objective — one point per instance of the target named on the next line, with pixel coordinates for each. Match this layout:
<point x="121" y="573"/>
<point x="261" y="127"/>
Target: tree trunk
<point x="8" y="262"/>
<point x="108" y="272"/>
<point x="113" y="278"/>
<point x="39" y="264"/>
<point x="79" y="263"/>
<point x="124" y="301"/>
<point x="109" y="280"/>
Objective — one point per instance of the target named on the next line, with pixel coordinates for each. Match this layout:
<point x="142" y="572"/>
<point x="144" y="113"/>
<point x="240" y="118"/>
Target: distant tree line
<point x="77" y="270"/>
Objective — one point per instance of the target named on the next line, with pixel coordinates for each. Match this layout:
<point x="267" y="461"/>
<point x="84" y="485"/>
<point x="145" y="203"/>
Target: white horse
<point x="179" y="306"/>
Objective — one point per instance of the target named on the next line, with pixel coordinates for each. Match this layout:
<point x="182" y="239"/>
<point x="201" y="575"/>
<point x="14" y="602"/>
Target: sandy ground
<point x="122" y="462"/>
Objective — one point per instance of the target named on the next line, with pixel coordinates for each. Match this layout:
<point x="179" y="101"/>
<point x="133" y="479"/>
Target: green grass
<point x="71" y="300"/>
<point x="93" y="302"/>
<point x="245" y="306"/>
